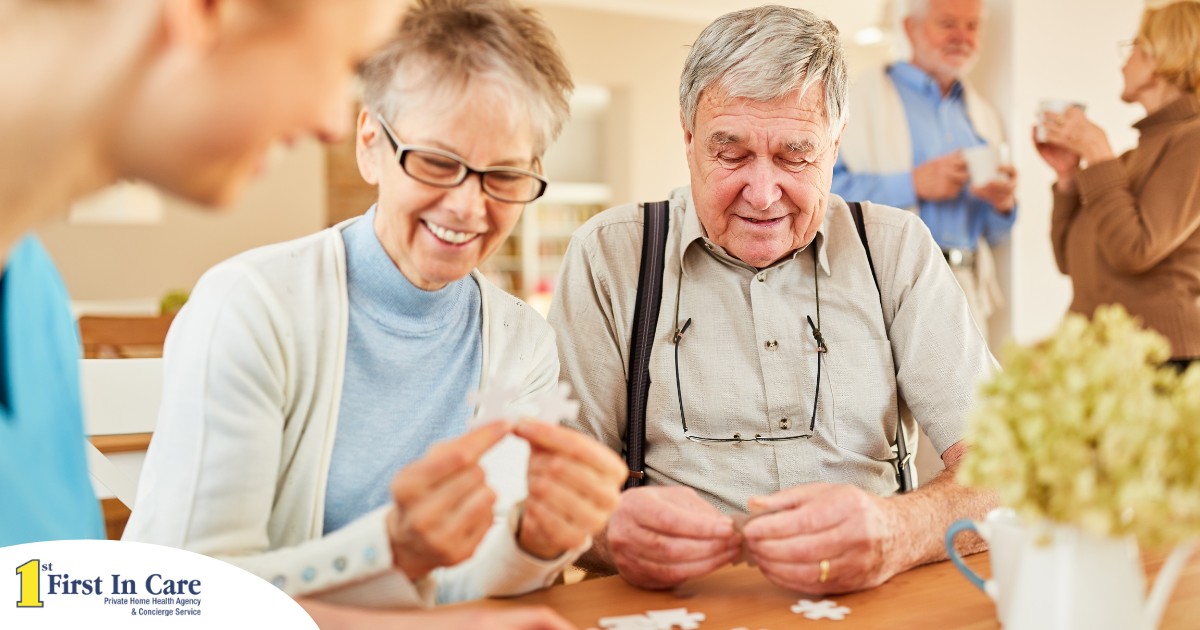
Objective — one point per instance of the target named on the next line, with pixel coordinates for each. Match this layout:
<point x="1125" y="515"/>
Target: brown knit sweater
<point x="1130" y="235"/>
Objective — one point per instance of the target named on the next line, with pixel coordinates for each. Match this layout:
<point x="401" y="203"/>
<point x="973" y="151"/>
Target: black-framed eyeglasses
<point x="1125" y="48"/>
<point x="447" y="170"/>
<point x="757" y="437"/>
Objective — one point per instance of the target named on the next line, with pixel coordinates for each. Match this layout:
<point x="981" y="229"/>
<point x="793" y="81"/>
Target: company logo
<point x="151" y="595"/>
<point x="105" y="584"/>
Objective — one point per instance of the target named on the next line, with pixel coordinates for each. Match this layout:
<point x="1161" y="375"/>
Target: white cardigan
<point x="252" y="384"/>
<point x="877" y="138"/>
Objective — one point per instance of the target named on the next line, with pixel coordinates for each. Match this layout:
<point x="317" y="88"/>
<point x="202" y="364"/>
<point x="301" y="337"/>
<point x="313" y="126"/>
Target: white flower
<point x="1086" y="428"/>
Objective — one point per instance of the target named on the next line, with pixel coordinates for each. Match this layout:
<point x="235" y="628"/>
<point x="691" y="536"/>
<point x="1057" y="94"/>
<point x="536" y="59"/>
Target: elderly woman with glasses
<point x="1126" y="228"/>
<point x="302" y="376"/>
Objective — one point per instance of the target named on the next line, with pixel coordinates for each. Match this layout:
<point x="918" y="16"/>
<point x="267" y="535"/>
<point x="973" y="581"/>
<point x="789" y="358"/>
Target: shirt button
<point x="772" y="344"/>
<point x="784" y="423"/>
<point x="762" y="277"/>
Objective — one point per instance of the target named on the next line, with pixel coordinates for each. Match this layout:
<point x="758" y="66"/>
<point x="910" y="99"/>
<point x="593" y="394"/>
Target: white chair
<point x="120" y="404"/>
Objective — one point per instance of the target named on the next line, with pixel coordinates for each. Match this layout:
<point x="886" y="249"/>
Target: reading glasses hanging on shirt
<point x="739" y="436"/>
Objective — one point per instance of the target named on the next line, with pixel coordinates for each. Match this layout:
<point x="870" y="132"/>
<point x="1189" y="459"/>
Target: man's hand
<point x="443" y="504"/>
<point x="941" y="178"/>
<point x="801" y="527"/>
<point x="574" y="485"/>
<point x="662" y="536"/>
<point x="1001" y="192"/>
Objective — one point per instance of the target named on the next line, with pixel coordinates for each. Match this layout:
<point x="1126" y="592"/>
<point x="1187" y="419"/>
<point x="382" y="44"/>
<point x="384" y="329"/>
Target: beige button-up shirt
<point x="748" y="363"/>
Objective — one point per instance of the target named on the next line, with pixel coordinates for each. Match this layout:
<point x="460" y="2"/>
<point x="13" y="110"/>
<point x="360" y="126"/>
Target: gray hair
<point x="444" y="47"/>
<point x="762" y="54"/>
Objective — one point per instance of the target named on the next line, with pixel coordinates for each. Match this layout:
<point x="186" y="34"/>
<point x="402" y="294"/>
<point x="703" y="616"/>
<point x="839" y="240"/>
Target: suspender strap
<point x="645" y="320"/>
<point x="904" y="476"/>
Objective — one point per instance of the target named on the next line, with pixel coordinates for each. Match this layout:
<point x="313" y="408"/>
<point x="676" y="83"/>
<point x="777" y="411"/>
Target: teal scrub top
<point x="45" y="490"/>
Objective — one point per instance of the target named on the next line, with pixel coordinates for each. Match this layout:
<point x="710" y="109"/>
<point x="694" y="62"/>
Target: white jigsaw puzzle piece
<point x="627" y="622"/>
<point x="824" y="609"/>
<point x="493" y="402"/>
<point x="498" y="401"/>
<point x="555" y="405"/>
<point x="675" y="618"/>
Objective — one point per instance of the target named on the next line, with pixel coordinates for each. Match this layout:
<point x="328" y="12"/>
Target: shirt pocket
<point x="863" y="383"/>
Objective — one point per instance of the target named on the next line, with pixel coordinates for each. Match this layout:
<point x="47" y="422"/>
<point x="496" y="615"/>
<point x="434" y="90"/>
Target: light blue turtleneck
<point x="411" y="357"/>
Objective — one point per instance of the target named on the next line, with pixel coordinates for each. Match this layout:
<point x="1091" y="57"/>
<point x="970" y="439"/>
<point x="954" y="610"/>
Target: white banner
<point x="113" y="584"/>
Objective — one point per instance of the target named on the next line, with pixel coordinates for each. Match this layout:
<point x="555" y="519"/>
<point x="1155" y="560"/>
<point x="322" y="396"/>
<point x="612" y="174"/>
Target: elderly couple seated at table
<point x="301" y="376"/>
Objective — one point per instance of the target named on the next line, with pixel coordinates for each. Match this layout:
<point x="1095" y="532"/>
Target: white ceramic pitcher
<point x="1057" y="576"/>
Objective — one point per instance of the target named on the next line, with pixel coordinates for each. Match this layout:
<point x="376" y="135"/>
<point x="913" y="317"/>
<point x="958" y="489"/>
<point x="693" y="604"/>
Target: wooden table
<point x="933" y="596"/>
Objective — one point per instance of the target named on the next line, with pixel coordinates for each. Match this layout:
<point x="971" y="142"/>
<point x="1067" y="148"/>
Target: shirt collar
<point x="1179" y="110"/>
<point x="693" y="233"/>
<point x="919" y="81"/>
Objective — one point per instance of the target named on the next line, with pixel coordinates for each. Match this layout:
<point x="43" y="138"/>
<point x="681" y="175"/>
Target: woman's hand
<point x="1065" y="162"/>
<point x="1073" y="131"/>
<point x="574" y="484"/>
<point x="443" y="504"/>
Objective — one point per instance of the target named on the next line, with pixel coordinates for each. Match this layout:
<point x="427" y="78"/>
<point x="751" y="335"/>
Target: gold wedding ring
<point x="824" y="577"/>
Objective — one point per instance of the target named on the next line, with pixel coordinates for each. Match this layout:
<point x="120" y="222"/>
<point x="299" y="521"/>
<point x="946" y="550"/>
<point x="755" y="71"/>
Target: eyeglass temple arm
<point x="681" y="330"/>
<point x="821" y="347"/>
<point x="678" y="388"/>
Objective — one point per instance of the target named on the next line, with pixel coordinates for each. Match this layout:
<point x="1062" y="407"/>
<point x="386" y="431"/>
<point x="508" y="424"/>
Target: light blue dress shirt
<point x="938" y="125"/>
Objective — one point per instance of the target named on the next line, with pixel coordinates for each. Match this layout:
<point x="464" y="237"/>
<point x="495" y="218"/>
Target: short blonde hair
<point x="1170" y="35"/>
<point x="445" y="47"/>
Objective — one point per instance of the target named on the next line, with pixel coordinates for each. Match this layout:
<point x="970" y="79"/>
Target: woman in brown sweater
<point x="1125" y="229"/>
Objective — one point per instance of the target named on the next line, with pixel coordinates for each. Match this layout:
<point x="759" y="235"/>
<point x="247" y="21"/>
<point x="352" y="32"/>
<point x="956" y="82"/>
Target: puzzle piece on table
<point x="668" y="619"/>
<point x="627" y="622"/>
<point x="824" y="609"/>
<point x="675" y="618"/>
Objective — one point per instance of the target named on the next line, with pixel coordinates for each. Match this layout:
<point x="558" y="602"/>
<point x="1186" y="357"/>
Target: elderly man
<point x="778" y="369"/>
<point x="904" y="148"/>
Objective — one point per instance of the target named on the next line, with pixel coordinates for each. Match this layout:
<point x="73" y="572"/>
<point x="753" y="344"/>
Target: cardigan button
<point x="339" y="564"/>
<point x="279" y="582"/>
<point x="309" y="574"/>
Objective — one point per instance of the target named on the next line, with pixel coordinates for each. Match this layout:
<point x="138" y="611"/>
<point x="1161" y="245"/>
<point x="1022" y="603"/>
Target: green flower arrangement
<point x="1085" y="428"/>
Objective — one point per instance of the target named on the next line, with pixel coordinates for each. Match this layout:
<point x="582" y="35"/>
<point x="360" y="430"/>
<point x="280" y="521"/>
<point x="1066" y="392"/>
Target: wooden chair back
<point x="123" y="337"/>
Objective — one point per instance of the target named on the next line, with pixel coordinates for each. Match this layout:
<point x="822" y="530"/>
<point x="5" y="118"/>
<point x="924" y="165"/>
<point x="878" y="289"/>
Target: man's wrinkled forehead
<point x="803" y="107"/>
<point x="807" y="108"/>
<point x="801" y="144"/>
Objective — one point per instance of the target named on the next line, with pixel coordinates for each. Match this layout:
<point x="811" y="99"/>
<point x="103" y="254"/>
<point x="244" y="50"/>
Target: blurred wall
<point x="1027" y="57"/>
<point x="112" y="262"/>
<point x="1061" y="49"/>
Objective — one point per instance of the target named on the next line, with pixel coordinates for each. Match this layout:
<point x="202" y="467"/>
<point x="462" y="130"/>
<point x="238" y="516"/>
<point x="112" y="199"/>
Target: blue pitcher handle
<point x="959" y="526"/>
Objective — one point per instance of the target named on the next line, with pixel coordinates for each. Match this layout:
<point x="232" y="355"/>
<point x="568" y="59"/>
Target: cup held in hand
<point x="984" y="162"/>
<point x="1052" y="106"/>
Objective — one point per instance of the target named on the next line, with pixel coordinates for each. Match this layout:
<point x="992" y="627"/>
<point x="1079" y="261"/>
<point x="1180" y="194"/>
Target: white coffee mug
<point x="1006" y="537"/>
<point x="984" y="162"/>
<point x="1055" y="106"/>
